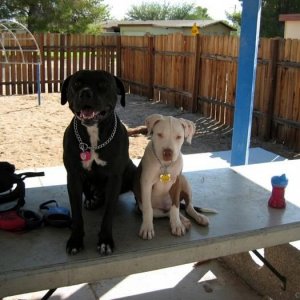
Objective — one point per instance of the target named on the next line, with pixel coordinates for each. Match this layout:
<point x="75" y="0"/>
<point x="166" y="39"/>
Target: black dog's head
<point x="92" y="95"/>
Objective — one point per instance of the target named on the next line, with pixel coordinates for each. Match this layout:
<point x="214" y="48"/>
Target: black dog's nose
<point x="85" y="94"/>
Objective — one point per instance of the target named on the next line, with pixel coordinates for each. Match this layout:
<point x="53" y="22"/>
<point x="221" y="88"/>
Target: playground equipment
<point x="18" y="46"/>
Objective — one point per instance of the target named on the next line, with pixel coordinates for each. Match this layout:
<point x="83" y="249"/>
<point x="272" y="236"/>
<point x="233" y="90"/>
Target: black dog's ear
<point x="64" y="90"/>
<point x="121" y="90"/>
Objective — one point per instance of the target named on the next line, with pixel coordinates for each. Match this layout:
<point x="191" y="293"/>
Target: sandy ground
<point x="31" y="135"/>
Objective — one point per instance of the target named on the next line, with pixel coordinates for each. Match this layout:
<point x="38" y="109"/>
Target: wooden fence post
<point x="62" y="51"/>
<point x="151" y="66"/>
<point x="118" y="56"/>
<point x="195" y="90"/>
<point x="272" y="74"/>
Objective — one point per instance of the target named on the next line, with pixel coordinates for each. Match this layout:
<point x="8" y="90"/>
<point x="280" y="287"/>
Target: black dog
<point x="95" y="151"/>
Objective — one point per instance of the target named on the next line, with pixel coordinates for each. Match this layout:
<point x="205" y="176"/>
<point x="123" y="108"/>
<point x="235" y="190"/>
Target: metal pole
<point x="246" y="82"/>
<point x="38" y="78"/>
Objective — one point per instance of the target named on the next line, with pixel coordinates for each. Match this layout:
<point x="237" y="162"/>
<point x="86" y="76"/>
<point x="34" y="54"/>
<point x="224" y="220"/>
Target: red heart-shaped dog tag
<point x="85" y="156"/>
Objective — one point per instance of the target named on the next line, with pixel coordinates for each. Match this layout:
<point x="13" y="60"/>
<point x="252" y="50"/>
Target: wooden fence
<point x="195" y="73"/>
<point x="61" y="55"/>
<point x="200" y="74"/>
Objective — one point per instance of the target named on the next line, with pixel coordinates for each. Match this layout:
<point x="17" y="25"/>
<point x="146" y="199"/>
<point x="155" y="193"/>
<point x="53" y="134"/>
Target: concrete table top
<point x="37" y="259"/>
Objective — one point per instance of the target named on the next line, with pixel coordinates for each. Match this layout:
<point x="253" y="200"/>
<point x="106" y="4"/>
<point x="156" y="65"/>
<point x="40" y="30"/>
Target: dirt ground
<point x="31" y="135"/>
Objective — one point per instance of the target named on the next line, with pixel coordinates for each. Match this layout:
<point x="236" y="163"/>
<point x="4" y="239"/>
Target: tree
<point x="271" y="9"/>
<point x="199" y="13"/>
<point x="236" y="19"/>
<point x="180" y="12"/>
<point x="55" y="15"/>
<point x="148" y="11"/>
<point x="14" y="9"/>
<point x="166" y="11"/>
<point x="79" y="15"/>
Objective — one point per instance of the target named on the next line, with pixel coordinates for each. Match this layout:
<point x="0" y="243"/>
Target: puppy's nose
<point x="85" y="94"/>
<point x="167" y="154"/>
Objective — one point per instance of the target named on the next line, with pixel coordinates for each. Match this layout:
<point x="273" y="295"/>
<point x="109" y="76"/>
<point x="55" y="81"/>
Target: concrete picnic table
<point x="37" y="260"/>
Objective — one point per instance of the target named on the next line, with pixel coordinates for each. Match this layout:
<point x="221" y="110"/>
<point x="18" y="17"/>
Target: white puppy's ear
<point x="151" y="121"/>
<point x="189" y="129"/>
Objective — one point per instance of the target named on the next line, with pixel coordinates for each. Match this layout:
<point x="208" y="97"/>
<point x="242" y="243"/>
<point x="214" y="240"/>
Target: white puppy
<point x="159" y="184"/>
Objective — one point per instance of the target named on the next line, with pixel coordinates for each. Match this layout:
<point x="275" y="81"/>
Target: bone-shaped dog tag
<point x="165" y="178"/>
<point x="85" y="156"/>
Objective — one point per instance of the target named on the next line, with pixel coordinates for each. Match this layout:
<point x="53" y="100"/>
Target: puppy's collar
<point x="165" y="176"/>
<point x="85" y="147"/>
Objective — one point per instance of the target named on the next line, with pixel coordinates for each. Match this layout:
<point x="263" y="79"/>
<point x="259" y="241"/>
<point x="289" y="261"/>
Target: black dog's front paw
<point x="90" y="204"/>
<point x="105" y="246"/>
<point x="74" y="244"/>
<point x="93" y="203"/>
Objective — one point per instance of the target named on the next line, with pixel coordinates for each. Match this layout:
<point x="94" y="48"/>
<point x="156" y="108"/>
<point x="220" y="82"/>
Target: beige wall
<point x="292" y="30"/>
<point x="216" y="29"/>
<point x="142" y="30"/>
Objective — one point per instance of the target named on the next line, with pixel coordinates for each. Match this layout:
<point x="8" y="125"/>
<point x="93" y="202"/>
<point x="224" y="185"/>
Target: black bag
<point x="12" y="186"/>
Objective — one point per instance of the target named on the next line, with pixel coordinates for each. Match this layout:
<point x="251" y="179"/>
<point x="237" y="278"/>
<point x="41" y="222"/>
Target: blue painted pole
<point x="245" y="82"/>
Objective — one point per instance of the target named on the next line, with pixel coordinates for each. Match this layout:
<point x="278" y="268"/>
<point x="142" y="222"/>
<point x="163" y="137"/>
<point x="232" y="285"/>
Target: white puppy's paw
<point x="186" y="222"/>
<point x="202" y="220"/>
<point x="178" y="228"/>
<point x="147" y="231"/>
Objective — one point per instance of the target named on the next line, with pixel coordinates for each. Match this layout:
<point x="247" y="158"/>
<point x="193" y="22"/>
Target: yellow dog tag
<point x="165" y="178"/>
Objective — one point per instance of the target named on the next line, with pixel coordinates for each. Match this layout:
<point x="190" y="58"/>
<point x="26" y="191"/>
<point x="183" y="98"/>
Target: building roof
<point x="167" y="23"/>
<point x="289" y="17"/>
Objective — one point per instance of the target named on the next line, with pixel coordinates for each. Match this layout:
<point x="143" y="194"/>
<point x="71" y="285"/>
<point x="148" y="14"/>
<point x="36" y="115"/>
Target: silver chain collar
<point x="83" y="146"/>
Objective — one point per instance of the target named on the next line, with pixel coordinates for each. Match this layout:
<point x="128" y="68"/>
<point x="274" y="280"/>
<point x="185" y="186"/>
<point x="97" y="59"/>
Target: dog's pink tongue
<point x="87" y="113"/>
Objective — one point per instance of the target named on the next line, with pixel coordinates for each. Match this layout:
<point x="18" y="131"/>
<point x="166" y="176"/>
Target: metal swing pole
<point x="38" y="79"/>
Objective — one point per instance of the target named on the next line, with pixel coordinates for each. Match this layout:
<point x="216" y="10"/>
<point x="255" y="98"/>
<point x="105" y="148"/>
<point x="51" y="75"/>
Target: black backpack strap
<point x="30" y="174"/>
<point x="32" y="219"/>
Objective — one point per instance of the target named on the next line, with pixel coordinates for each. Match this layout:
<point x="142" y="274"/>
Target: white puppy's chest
<point x="93" y="132"/>
<point x="160" y="196"/>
